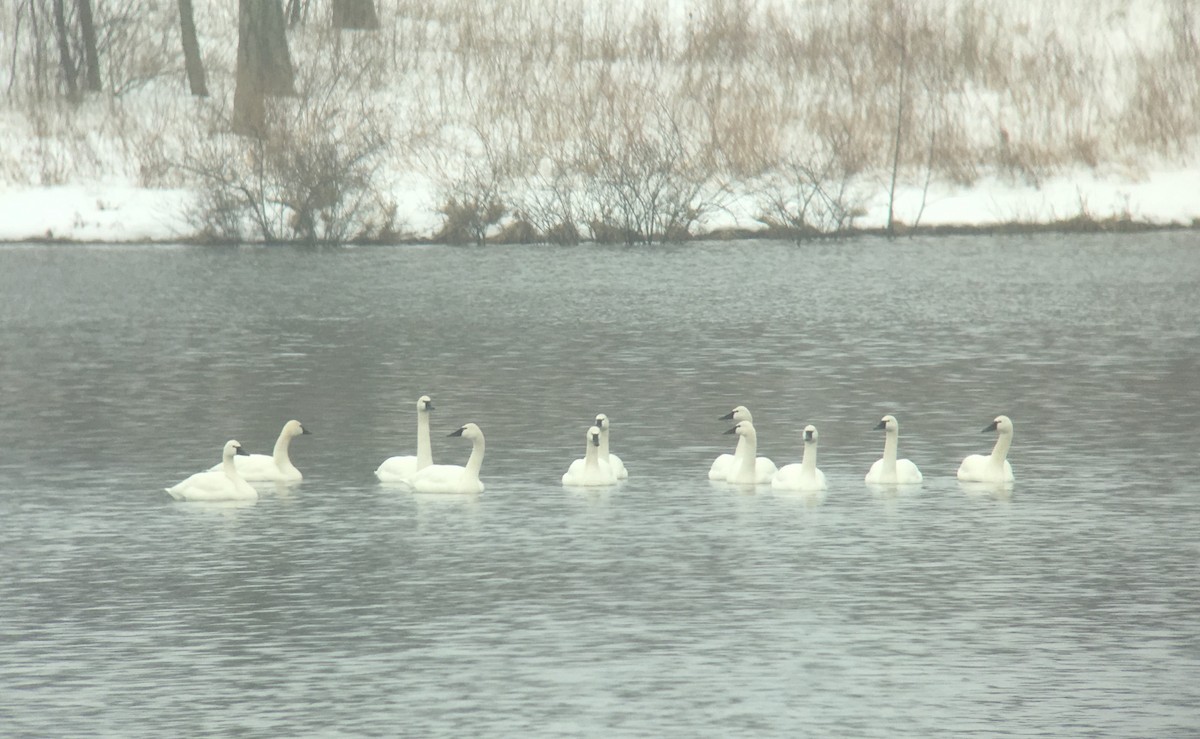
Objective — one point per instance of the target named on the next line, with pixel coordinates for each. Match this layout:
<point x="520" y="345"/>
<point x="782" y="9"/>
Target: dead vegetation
<point x="560" y="120"/>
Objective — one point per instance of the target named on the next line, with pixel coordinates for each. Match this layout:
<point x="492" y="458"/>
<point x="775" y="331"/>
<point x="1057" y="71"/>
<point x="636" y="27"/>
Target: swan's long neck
<point x="424" y="450"/>
<point x="603" y="443"/>
<point x="282" y="460"/>
<point x="228" y="467"/>
<point x="808" y="463"/>
<point x="591" y="457"/>
<point x="890" y="444"/>
<point x="475" y="462"/>
<point x="739" y="451"/>
<point x="748" y="448"/>
<point x="1000" y="451"/>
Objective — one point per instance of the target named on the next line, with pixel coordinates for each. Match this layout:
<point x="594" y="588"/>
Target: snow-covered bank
<point x="120" y="212"/>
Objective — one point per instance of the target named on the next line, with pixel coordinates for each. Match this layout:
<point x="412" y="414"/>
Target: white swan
<point x="803" y="477"/>
<point x="722" y="465"/>
<point x="589" y="471"/>
<point x="613" y="461"/>
<point x="399" y="469"/>
<point x="748" y="469"/>
<point x="223" y="484"/>
<point x="274" y="467"/>
<point x="451" y="478"/>
<point x="889" y="470"/>
<point x="992" y="467"/>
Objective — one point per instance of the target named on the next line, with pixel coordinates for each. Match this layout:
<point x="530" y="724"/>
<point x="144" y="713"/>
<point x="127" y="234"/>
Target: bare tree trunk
<point x="264" y="66"/>
<point x="355" y="15"/>
<point x="191" y="50"/>
<point x="64" y="51"/>
<point x="91" y="57"/>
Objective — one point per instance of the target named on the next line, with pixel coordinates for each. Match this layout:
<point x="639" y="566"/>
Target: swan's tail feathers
<point x="174" y="493"/>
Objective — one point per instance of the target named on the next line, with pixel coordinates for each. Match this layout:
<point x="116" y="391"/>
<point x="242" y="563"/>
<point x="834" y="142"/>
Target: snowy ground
<point x="119" y="212"/>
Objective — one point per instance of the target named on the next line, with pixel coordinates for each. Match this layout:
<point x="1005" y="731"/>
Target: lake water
<point x="668" y="606"/>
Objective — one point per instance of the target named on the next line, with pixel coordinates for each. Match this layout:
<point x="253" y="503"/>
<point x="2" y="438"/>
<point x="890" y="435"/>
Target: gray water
<point x="668" y="606"/>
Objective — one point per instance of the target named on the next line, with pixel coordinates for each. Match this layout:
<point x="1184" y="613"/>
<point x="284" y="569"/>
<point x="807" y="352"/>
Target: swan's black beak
<point x="990" y="427"/>
<point x="596" y="440"/>
<point x="731" y="431"/>
<point x="243" y="451"/>
<point x="457" y="432"/>
<point x="808" y="436"/>
<point x="727" y="417"/>
<point x="882" y="425"/>
<point x="429" y="406"/>
<point x="304" y="430"/>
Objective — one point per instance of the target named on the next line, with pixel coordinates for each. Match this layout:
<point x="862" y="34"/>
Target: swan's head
<point x="743" y="428"/>
<point x="889" y="424"/>
<point x="810" y="434"/>
<point x="741" y="413"/>
<point x="424" y="404"/>
<point x="295" y="428"/>
<point x="601" y="421"/>
<point x="234" y="447"/>
<point x="593" y="435"/>
<point x="468" y="431"/>
<point x="1001" y="424"/>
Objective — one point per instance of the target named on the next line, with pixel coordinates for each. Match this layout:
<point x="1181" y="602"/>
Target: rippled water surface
<point x="668" y="606"/>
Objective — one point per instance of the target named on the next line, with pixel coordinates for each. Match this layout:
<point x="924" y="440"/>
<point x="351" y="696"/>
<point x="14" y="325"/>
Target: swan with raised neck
<point x="805" y="476"/>
<point x="992" y="467"/>
<point x="274" y="467"/>
<point x="217" y="485"/>
<point x="614" y="463"/>
<point x="721" y="466"/>
<point x="452" y="478"/>
<point x="889" y="470"/>
<point x="591" y="472"/>
<point x="746" y="468"/>
<point x="402" y="467"/>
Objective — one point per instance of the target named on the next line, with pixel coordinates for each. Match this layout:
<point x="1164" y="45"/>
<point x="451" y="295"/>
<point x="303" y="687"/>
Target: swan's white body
<point x="222" y="484"/>
<point x="889" y="470"/>
<point x="274" y="467"/>
<point x="992" y="467"/>
<point x="589" y="471"/>
<point x="803" y="477"/>
<point x="399" y="469"/>
<point x="747" y="468"/>
<point x="452" y="478"/>
<point x="724" y="464"/>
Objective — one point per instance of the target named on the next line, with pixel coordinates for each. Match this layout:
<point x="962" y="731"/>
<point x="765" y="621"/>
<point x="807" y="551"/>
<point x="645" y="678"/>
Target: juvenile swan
<point x="223" y="484"/>
<point x="276" y="467"/>
<point x="747" y="469"/>
<point x="399" y="469"/>
<point x="590" y="472"/>
<point x="613" y="461"/>
<point x="992" y="467"/>
<point x="451" y="478"/>
<point x="722" y="465"/>
<point x="804" y="477"/>
<point x="889" y="470"/>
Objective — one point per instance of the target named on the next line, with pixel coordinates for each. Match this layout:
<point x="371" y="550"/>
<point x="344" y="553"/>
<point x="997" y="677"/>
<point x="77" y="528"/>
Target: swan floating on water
<point x="724" y="463"/>
<point x="274" y="467"/>
<point x="747" y="469"/>
<point x="590" y="471"/>
<point x="222" y="484"/>
<point x="802" y="477"/>
<point x="452" y="478"/>
<point x="399" y="469"/>
<point x="992" y="467"/>
<point x="613" y="461"/>
<point x="889" y="470"/>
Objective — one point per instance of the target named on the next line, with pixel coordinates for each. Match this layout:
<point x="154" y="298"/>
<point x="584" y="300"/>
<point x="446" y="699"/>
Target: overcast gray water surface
<point x="667" y="606"/>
